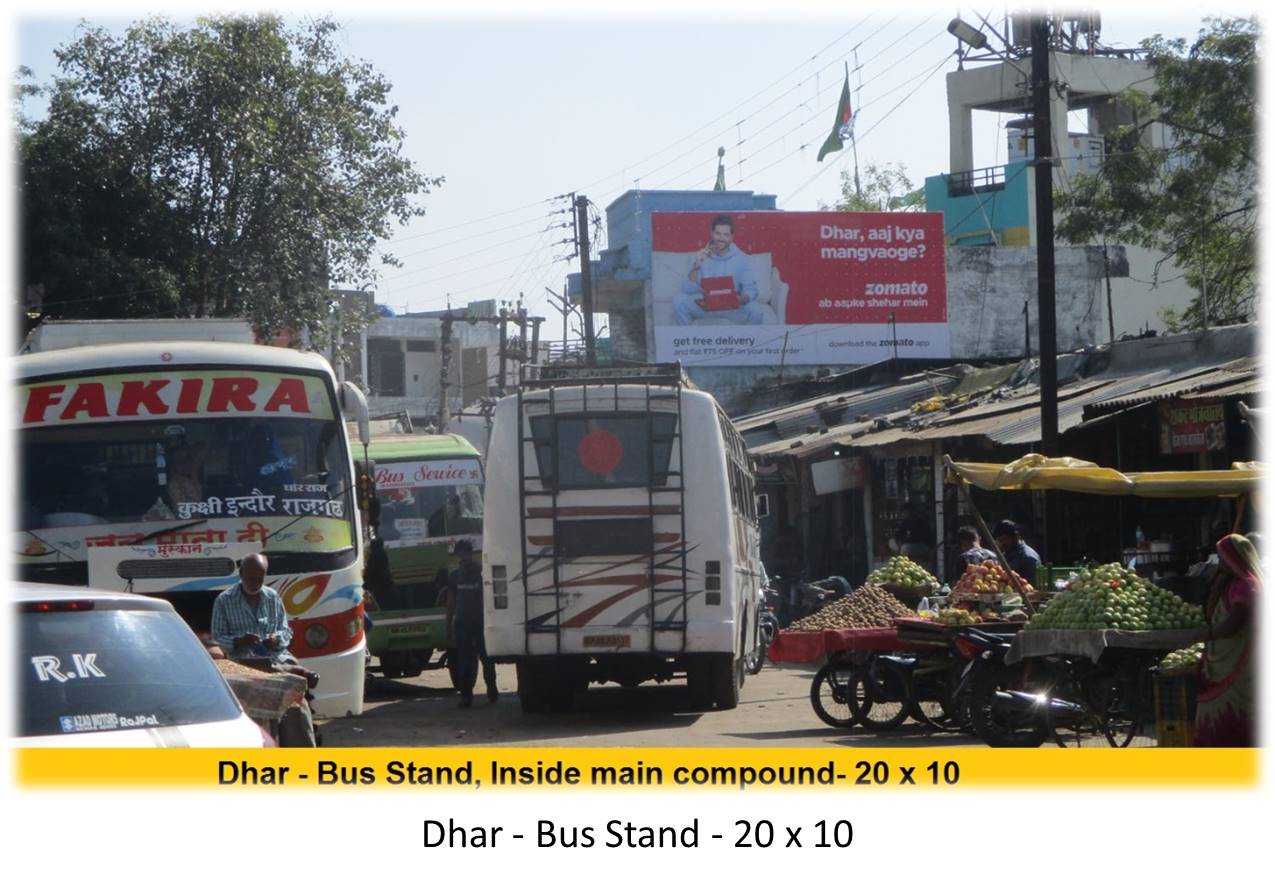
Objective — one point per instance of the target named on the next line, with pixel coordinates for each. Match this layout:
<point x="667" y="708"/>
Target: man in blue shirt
<point x="719" y="258"/>
<point x="465" y="610"/>
<point x="249" y="622"/>
<point x="1022" y="558"/>
<point x="972" y="552"/>
<point x="248" y="619"/>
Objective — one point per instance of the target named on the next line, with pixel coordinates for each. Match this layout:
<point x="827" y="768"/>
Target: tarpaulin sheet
<point x="1091" y="642"/>
<point x="265" y="696"/>
<point x="806" y="647"/>
<point x="1037" y="472"/>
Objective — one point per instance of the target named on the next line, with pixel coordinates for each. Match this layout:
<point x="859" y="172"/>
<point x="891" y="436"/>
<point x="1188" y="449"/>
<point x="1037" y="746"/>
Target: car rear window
<point x="94" y="670"/>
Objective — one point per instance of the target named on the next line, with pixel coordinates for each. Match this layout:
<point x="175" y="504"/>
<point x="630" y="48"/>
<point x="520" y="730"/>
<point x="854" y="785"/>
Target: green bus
<point x="430" y="492"/>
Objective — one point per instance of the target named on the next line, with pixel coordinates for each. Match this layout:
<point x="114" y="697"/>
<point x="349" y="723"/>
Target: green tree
<point x="882" y="189"/>
<point x="1194" y="199"/>
<point x="237" y="168"/>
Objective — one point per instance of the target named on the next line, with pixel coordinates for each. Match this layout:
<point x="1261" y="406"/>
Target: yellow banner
<point x="666" y="768"/>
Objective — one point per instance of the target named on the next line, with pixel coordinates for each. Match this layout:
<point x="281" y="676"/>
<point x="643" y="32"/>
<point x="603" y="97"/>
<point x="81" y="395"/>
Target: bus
<point x="156" y="467"/>
<point x="621" y="538"/>
<point x="430" y="490"/>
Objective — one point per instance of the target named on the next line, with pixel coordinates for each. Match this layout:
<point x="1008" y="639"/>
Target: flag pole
<point x="854" y="142"/>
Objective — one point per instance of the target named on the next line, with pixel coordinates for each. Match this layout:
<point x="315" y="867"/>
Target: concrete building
<point x="995" y="206"/>
<point x="400" y="361"/>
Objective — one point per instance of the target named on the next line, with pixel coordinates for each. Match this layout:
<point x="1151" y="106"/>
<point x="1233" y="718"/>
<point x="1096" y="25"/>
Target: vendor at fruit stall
<point x="972" y="551"/>
<point x="1022" y="558"/>
<point x="1224" y="714"/>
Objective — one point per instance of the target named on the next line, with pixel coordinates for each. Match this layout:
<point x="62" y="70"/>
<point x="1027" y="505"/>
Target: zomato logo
<point x="97" y="399"/>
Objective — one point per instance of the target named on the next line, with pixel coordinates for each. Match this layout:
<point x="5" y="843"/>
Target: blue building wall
<point x="995" y="215"/>
<point x="628" y="252"/>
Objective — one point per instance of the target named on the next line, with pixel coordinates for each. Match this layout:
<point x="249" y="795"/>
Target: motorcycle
<point x="993" y="698"/>
<point x="767" y="629"/>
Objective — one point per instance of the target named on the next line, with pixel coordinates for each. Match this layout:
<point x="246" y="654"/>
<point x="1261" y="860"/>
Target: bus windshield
<point x="228" y="479"/>
<point x="429" y="499"/>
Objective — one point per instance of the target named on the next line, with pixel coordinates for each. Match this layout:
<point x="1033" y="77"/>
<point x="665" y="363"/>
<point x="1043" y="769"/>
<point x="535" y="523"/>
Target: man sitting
<point x="249" y="623"/>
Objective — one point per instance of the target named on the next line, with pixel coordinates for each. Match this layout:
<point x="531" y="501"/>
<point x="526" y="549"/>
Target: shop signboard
<point x="837" y="474"/>
<point x="798" y="288"/>
<point x="1192" y="426"/>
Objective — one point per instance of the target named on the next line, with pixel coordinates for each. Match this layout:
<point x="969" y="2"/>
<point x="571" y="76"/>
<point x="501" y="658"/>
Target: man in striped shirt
<point x="248" y="620"/>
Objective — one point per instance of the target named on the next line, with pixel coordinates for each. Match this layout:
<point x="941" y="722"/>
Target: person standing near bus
<point x="465" y="613"/>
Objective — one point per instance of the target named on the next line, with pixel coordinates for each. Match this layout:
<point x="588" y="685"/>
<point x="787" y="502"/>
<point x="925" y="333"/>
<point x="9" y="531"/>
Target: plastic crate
<point x="1048" y="575"/>
<point x="1175" y="709"/>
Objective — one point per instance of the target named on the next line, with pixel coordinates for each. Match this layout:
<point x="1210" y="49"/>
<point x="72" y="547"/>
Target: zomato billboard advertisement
<point x="798" y="288"/>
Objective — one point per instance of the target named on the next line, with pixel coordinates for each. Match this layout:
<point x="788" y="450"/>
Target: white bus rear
<point x="620" y="541"/>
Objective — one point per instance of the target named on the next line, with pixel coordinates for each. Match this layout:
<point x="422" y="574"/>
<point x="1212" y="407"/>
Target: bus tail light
<point x="713" y="582"/>
<point x="499" y="587"/>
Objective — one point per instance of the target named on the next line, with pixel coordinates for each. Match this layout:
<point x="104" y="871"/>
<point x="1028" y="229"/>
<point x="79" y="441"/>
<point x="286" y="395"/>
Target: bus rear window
<point x="604" y="450"/>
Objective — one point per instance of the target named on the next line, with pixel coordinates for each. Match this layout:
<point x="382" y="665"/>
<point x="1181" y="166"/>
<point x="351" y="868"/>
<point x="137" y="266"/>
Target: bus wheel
<point x="531" y="695"/>
<point x="728" y="674"/>
<point x="699" y="683"/>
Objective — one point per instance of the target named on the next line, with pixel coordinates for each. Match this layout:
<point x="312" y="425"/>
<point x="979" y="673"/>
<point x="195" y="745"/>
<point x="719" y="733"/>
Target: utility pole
<point x="1042" y="94"/>
<point x="444" y="360"/>
<point x="586" y="277"/>
<point x="504" y="349"/>
<point x="1027" y="331"/>
<point x="535" y="339"/>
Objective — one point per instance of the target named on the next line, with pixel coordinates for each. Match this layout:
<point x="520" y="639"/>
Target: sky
<point x="514" y="109"/>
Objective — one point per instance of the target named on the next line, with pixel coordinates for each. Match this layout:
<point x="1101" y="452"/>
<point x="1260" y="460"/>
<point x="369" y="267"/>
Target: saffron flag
<point x="843" y="128"/>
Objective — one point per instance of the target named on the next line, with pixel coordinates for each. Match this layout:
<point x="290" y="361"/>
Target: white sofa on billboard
<point x="669" y="268"/>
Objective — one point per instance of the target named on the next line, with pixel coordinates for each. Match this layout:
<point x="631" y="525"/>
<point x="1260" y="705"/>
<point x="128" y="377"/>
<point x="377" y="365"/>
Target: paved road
<point x="774" y="709"/>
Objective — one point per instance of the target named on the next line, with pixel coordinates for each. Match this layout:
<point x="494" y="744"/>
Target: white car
<point x="108" y="669"/>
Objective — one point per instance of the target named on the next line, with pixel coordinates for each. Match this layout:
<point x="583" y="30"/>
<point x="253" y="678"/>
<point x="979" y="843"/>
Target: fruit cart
<point x="1092" y="653"/>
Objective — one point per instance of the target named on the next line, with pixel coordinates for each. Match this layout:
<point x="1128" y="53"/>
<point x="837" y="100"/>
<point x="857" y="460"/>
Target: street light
<point x="967" y="34"/>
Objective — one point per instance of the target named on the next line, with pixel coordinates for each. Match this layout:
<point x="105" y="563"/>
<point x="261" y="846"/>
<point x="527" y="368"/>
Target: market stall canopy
<point x="1038" y="472"/>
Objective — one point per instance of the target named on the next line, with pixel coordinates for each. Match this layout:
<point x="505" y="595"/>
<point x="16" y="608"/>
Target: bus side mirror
<point x="763" y="505"/>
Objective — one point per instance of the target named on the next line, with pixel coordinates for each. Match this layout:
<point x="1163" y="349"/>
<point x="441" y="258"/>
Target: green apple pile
<point x="901" y="571"/>
<point x="1185" y="659"/>
<point x="1114" y="597"/>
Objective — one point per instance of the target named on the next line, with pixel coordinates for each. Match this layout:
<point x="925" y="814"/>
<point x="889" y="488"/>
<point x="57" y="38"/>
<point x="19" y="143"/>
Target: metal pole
<point x="586" y="278"/>
<point x="1042" y="93"/>
<point x="445" y="357"/>
<point x="504" y="350"/>
<point x="1027" y="331"/>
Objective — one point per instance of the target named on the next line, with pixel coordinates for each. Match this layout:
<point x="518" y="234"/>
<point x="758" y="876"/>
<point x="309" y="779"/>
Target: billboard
<point x="798" y="288"/>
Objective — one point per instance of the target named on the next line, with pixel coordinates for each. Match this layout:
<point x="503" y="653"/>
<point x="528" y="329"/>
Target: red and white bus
<point x="155" y="467"/>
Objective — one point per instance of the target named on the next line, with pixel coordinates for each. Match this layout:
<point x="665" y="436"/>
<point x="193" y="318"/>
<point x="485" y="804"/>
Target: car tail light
<point x="54" y="606"/>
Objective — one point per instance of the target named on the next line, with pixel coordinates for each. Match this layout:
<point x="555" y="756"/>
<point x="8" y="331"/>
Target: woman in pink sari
<point x="1225" y="713"/>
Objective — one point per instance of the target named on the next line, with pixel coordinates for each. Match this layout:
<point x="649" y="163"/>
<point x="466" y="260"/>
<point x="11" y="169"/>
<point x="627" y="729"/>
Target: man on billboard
<point x="720" y="283"/>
